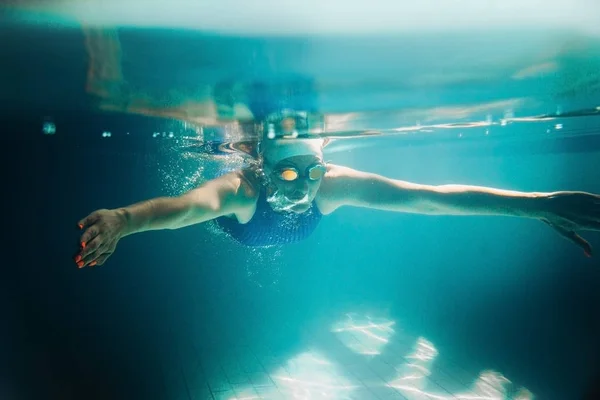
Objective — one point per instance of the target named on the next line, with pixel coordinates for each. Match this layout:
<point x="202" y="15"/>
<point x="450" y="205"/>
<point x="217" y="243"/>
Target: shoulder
<point x="346" y="186"/>
<point x="235" y="191"/>
<point x="335" y="173"/>
<point x="338" y="184"/>
<point x="243" y="185"/>
<point x="339" y="178"/>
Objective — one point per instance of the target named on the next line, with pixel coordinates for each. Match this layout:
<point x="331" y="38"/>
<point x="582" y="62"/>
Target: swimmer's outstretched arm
<point x="102" y="229"/>
<point x="566" y="212"/>
<point x="202" y="204"/>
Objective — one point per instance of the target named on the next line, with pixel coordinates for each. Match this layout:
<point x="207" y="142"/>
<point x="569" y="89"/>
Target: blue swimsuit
<point x="269" y="227"/>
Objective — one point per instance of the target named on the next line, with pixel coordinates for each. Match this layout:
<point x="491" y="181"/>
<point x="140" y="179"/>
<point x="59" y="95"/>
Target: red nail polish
<point x="83" y="245"/>
<point x="80" y="226"/>
<point x="80" y="264"/>
<point x="78" y="258"/>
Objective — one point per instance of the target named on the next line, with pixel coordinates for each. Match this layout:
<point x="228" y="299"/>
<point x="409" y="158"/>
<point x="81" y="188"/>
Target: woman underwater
<point x="283" y="196"/>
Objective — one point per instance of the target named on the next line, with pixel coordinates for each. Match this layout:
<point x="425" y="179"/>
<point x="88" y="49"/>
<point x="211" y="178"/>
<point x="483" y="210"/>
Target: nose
<point x="301" y="186"/>
<point x="299" y="191"/>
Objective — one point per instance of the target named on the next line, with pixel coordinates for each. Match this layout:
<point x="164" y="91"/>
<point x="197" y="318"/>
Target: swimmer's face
<point x="288" y="125"/>
<point x="298" y="193"/>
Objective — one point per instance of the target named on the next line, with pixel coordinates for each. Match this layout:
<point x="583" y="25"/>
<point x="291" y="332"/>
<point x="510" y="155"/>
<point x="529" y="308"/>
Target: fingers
<point x="90" y="242"/>
<point x="89" y="257"/>
<point x="581" y="242"/>
<point x="94" y="248"/>
<point x="94" y="260"/>
<point x="81" y="263"/>
<point x="95" y="253"/>
<point x="89" y="220"/>
<point x="87" y="260"/>
<point x="90" y="251"/>
<point x="575" y="238"/>
<point x="88" y="235"/>
<point x="100" y="260"/>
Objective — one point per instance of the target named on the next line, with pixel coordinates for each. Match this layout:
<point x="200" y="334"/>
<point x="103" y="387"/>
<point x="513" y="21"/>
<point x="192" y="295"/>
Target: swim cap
<point x="276" y="150"/>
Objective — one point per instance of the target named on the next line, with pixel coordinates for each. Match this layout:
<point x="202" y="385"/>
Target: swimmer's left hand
<point x="568" y="212"/>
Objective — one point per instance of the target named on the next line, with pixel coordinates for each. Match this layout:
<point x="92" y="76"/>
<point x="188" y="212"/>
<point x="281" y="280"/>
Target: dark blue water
<point x="166" y="310"/>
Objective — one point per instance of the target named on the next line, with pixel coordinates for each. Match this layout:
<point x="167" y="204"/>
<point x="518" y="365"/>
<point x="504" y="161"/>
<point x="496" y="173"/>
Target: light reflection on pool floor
<point x="358" y="357"/>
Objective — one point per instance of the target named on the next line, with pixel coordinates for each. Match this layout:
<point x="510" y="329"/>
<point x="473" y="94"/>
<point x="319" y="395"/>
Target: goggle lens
<point x="288" y="175"/>
<point x="314" y="173"/>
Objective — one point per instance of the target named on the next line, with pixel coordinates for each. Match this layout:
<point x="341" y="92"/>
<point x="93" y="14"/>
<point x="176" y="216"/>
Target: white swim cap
<point x="276" y="150"/>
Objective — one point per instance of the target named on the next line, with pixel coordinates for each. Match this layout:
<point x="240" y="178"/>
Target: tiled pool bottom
<point x="357" y="358"/>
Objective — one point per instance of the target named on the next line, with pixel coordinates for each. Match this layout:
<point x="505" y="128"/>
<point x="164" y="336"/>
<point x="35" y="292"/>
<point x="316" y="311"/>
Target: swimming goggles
<point x="290" y="174"/>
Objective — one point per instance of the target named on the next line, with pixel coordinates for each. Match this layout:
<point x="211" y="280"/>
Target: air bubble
<point x="49" y="128"/>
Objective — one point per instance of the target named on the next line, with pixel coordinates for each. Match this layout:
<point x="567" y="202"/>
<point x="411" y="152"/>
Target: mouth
<point x="298" y="199"/>
<point x="285" y="203"/>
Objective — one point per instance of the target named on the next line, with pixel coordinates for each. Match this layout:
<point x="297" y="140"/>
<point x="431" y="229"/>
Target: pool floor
<point x="356" y="358"/>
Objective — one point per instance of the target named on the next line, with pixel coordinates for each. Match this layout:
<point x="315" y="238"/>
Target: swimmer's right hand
<point x="102" y="230"/>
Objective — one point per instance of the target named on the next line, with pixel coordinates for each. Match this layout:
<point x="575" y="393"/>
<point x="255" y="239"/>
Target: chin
<point x="300" y="208"/>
